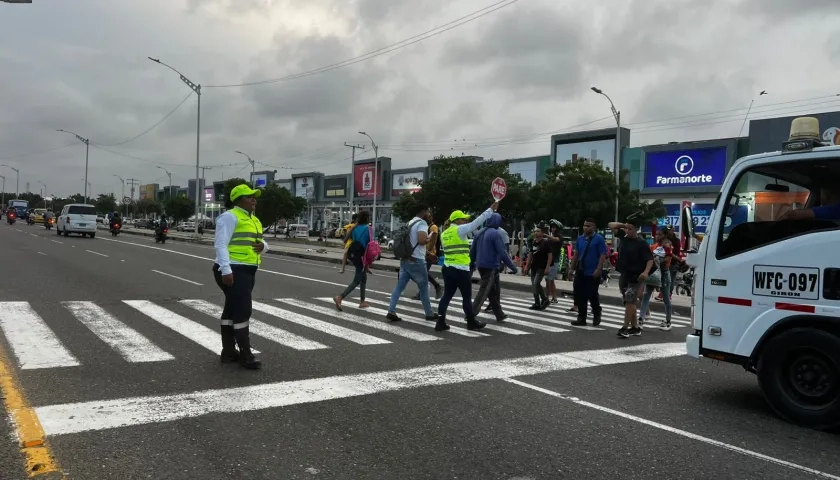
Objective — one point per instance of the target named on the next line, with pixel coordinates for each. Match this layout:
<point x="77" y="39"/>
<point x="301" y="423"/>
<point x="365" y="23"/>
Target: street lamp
<point x="89" y="187"/>
<point x="197" y="89"/>
<point x="251" y="161"/>
<point x="45" y="193"/>
<point x="375" y="170"/>
<point x="86" y="141"/>
<point x="616" y="170"/>
<point x="123" y="193"/>
<point x="17" y="180"/>
<point x="168" y="192"/>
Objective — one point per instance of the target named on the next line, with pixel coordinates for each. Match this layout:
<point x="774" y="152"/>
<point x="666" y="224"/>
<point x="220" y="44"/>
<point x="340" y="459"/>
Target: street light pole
<point x="45" y="193"/>
<point x="253" y="167"/>
<point x="375" y="171"/>
<point x="169" y="191"/>
<point x="3" y="201"/>
<point x="125" y="209"/>
<point x="616" y="168"/>
<point x="17" y="180"/>
<point x="86" y="141"/>
<point x="197" y="89"/>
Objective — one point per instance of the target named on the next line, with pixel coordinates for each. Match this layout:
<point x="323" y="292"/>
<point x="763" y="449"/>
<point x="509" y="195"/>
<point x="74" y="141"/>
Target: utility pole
<point x="352" y="171"/>
<point x="253" y="167"/>
<point x="3" y="202"/>
<point x="202" y="199"/>
<point x="125" y="205"/>
<point x="132" y="182"/>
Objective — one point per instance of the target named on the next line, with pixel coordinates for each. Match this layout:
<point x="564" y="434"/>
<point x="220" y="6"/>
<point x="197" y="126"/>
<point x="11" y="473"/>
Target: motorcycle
<point x="160" y="235"/>
<point x="48" y="223"/>
<point x="30" y="220"/>
<point x="686" y="283"/>
<point x="11" y="218"/>
<point x="115" y="229"/>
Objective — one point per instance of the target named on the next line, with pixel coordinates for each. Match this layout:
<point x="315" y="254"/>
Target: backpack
<point x="372" y="251"/>
<point x="402" y="242"/>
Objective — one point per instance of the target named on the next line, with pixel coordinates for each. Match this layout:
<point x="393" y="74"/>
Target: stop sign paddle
<point x="498" y="189"/>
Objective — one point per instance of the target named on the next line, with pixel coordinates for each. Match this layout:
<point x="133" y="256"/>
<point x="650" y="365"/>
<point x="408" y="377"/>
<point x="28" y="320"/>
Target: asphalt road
<point x="118" y="361"/>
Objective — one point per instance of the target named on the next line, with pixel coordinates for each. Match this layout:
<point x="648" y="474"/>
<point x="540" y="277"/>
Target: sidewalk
<point x="332" y="253"/>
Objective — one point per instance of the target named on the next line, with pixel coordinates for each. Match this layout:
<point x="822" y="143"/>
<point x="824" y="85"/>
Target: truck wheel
<point x="799" y="373"/>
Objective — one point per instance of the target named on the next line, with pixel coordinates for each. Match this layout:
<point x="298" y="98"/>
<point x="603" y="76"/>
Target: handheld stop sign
<point x="498" y="189"/>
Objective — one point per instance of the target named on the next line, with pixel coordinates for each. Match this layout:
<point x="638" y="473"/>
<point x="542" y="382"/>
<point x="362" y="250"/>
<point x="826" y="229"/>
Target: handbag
<point x="655" y="278"/>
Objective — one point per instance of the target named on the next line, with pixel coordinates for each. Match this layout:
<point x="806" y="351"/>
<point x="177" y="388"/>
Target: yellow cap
<point x="243" y="191"/>
<point x="458" y="215"/>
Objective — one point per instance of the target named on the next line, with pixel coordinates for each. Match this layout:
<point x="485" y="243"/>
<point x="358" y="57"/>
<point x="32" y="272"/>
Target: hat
<point x="243" y="191"/>
<point x="458" y="215"/>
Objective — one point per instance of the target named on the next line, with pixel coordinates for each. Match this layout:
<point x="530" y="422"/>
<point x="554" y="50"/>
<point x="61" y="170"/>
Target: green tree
<point x="230" y="185"/>
<point x="105" y="203"/>
<point x="460" y="184"/>
<point x="147" y="207"/>
<point x="272" y="203"/>
<point x="179" y="208"/>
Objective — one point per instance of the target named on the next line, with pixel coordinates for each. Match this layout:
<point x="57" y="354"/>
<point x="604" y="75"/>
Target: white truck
<point x="767" y="284"/>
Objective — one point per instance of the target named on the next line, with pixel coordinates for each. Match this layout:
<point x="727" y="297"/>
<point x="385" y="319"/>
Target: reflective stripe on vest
<point x="455" y="250"/>
<point x="248" y="231"/>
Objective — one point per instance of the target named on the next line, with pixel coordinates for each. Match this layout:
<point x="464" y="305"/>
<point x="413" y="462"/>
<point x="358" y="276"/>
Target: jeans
<point x="491" y="288"/>
<point x="417" y="273"/>
<point x="666" y="297"/>
<point x="586" y="290"/>
<point x="359" y="280"/>
<point x="673" y="280"/>
<point x="537" y="275"/>
<point x="456" y="280"/>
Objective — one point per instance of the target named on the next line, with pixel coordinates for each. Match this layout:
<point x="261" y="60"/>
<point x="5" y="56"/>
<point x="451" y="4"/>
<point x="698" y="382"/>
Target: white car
<point x="187" y="226"/>
<point x="76" y="218"/>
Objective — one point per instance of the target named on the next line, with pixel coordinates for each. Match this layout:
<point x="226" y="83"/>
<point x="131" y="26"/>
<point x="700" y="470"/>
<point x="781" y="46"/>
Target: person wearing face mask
<point x="239" y="245"/>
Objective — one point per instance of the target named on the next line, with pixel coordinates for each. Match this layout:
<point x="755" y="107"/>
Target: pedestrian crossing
<point x="38" y="340"/>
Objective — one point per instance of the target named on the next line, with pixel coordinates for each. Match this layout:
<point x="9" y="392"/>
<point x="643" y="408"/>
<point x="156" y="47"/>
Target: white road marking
<point x="452" y="319"/>
<point x="426" y="323"/>
<point x="259" y="328"/>
<point x="320" y="325"/>
<point x="683" y="433"/>
<point x="348" y="317"/>
<point x="56" y="241"/>
<point x="209" y="339"/>
<point x="100" y="415"/>
<point x="42" y="253"/>
<point x="179" y="278"/>
<point x="96" y="253"/>
<point x="32" y="234"/>
<point x="129" y="343"/>
<point x="34" y="344"/>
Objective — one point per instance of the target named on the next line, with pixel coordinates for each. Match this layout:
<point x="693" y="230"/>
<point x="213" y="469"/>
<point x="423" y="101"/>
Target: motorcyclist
<point x="115" y="220"/>
<point x="162" y="225"/>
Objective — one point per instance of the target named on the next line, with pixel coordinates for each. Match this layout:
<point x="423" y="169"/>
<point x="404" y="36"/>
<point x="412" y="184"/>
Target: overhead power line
<point x="382" y="51"/>
<point x="39" y="152"/>
<point x="153" y="126"/>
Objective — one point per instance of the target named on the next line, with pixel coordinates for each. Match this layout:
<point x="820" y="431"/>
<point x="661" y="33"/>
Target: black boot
<point x="229" y="353"/>
<point x="441" y="325"/>
<point x="473" y="324"/>
<point x="246" y="358"/>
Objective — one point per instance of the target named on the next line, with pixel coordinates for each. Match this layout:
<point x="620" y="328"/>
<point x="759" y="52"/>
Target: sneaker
<point x="634" y="332"/>
<point x="441" y="325"/>
<point x="622" y="333"/>
<point x="393" y="317"/>
<point x="544" y="305"/>
<point x="535" y="306"/>
<point x="438" y="292"/>
<point x="578" y="323"/>
<point x="502" y="318"/>
<point x="665" y="326"/>
<point x="554" y="300"/>
<point x="433" y="317"/>
<point x="641" y="323"/>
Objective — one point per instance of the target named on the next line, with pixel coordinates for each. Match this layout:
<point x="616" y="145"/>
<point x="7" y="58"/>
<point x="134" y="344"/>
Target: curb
<point x="658" y="307"/>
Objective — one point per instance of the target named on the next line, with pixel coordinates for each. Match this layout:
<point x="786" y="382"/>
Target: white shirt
<point x="466" y="229"/>
<point x="413" y="237"/>
<point x="225" y="225"/>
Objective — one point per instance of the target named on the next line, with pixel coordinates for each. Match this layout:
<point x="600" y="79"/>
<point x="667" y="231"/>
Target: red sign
<point x="367" y="180"/>
<point x="498" y="188"/>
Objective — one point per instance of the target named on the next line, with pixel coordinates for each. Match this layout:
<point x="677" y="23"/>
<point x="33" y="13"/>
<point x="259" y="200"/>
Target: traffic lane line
<point x="28" y="430"/>
<point x="177" y="277"/>
<point x="673" y="430"/>
<point x="108" y="414"/>
<point x="97" y="253"/>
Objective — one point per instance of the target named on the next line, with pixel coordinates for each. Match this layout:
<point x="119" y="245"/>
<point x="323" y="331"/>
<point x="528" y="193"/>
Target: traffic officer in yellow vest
<point x="239" y="244"/>
<point x="456" y="265"/>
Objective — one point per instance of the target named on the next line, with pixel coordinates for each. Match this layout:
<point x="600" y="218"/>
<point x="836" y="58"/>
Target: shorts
<point x="629" y="289"/>
<point x="552" y="273"/>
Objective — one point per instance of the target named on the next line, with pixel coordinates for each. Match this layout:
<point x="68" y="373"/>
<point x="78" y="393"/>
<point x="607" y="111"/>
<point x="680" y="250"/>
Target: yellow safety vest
<point x="248" y="231"/>
<point x="455" y="250"/>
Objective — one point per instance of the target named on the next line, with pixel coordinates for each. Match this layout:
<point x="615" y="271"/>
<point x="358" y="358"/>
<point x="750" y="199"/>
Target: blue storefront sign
<point x="702" y="167"/>
<point x="701" y="213"/>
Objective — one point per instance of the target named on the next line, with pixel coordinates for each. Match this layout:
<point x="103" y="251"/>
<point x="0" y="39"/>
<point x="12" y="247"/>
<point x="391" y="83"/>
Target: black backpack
<point x="402" y="242"/>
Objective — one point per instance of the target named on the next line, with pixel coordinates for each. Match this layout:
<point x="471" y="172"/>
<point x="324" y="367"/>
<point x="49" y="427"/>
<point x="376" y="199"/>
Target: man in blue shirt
<point x="585" y="270"/>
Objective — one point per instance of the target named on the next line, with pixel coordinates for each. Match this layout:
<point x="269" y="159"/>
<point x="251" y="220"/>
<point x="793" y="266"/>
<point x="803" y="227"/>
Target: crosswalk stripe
<point x="608" y="311"/>
<point x="498" y="328"/>
<point x="321" y="326"/>
<point x="490" y="326"/>
<point x="359" y="320"/>
<point x="261" y="329"/>
<point x="198" y="333"/>
<point x="32" y="341"/>
<point x="543" y="317"/>
<point x="406" y="319"/>
<point x="129" y="343"/>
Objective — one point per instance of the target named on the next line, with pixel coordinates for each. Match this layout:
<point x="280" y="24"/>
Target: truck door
<point x="761" y="267"/>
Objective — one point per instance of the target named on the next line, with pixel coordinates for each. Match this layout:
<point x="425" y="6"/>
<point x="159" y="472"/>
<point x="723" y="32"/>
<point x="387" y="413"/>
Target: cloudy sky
<point x="495" y="87"/>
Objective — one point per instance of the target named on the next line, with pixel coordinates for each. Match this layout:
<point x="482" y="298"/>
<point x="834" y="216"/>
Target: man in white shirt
<point x="414" y="267"/>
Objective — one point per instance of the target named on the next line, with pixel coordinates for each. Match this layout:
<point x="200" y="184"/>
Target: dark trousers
<point x="359" y="280"/>
<point x="432" y="279"/>
<point x="456" y="280"/>
<point x="236" y="314"/>
<point x="537" y="275"/>
<point x="489" y="288"/>
<point x="586" y="289"/>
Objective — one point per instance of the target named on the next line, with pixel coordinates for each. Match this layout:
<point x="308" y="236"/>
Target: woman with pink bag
<point x="360" y="236"/>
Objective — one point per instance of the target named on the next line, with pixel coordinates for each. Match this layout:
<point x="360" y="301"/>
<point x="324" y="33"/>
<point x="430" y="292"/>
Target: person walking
<point x="556" y="240"/>
<point x="410" y="248"/>
<point x="635" y="262"/>
<point x="487" y="253"/>
<point x="432" y="247"/>
<point x="585" y="270"/>
<point x="662" y="252"/>
<point x="359" y="238"/>
<point x="539" y="260"/>
<point x="239" y="245"/>
<point x="457" y="275"/>
<point x="348" y="230"/>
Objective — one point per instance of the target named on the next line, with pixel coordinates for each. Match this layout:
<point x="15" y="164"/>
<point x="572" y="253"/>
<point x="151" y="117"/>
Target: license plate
<point x="786" y="281"/>
<point x="83" y="224"/>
